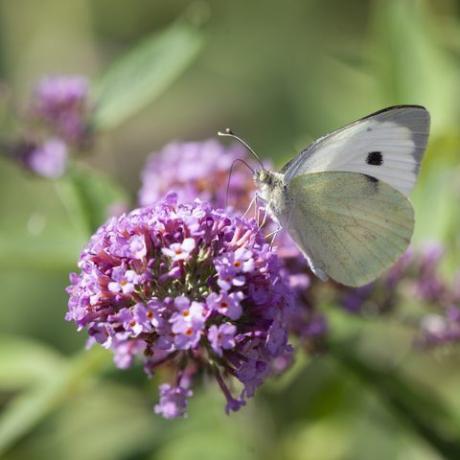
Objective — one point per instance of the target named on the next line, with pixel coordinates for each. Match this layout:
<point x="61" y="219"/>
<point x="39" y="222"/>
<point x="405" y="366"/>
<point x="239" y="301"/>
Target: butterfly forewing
<point x="387" y="145"/>
<point x="350" y="225"/>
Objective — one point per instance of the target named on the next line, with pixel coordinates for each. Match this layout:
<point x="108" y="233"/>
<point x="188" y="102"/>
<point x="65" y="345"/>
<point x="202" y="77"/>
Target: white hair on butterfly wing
<point x="343" y="199"/>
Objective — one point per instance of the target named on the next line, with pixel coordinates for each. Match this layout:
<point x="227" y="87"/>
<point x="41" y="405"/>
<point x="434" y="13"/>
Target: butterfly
<point x="344" y="199"/>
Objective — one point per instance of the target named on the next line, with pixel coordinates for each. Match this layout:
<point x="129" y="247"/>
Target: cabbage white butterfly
<point x="343" y="199"/>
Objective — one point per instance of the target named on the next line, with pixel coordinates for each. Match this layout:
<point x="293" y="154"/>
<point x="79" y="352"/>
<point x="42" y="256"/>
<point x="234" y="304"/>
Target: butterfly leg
<point x="258" y="211"/>
<point x="265" y="218"/>
<point x="273" y="235"/>
<point x="251" y="204"/>
<point x="264" y="210"/>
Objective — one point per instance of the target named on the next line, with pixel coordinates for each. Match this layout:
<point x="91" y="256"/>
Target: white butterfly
<point x="343" y="199"/>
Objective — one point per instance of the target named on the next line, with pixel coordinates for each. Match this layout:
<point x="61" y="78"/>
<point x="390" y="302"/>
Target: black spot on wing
<point x="374" y="158"/>
<point x="373" y="181"/>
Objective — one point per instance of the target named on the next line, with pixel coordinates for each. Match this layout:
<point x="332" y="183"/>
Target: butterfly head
<point x="265" y="180"/>
<point x="268" y="182"/>
<point x="263" y="177"/>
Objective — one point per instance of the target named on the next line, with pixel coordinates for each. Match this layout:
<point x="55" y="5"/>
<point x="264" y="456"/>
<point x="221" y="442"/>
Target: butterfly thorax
<point x="271" y="188"/>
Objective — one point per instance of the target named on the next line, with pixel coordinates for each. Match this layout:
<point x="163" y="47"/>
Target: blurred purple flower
<point x="429" y="285"/>
<point x="354" y="299"/>
<point x="48" y="159"/>
<point x="173" y="401"/>
<point x="150" y="286"/>
<point x="440" y="329"/>
<point x="415" y="279"/>
<point x="196" y="170"/>
<point x="61" y="101"/>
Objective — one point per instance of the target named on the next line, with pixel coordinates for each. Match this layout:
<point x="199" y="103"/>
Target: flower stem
<point x="75" y="205"/>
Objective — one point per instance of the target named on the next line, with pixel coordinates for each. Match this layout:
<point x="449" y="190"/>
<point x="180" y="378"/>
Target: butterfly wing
<point x="350" y="226"/>
<point x="387" y="145"/>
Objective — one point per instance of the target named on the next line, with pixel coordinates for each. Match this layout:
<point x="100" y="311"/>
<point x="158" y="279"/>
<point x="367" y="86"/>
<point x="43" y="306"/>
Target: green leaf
<point x="112" y="421"/>
<point x="24" y="412"/>
<point x="26" y="361"/>
<point x="144" y="73"/>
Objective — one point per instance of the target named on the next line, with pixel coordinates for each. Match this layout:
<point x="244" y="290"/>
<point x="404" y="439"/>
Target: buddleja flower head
<point x="196" y="170"/>
<point x="186" y="285"/>
<point x="61" y="101"/>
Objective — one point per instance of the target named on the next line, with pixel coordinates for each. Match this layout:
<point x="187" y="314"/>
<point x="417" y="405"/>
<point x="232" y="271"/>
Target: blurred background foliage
<point x="280" y="74"/>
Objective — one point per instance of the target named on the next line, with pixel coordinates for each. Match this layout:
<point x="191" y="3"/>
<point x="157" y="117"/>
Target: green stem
<point x="410" y="401"/>
<point x="75" y="204"/>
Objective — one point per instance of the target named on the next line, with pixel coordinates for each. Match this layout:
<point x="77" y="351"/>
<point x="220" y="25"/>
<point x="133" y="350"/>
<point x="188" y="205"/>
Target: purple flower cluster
<point x="196" y="170"/>
<point x="62" y="103"/>
<point x="186" y="285"/>
<point x="57" y="122"/>
<point x="431" y="288"/>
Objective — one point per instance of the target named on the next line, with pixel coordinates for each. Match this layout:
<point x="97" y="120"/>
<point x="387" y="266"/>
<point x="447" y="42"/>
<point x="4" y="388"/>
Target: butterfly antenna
<point x="229" y="133"/>
<point x="236" y="160"/>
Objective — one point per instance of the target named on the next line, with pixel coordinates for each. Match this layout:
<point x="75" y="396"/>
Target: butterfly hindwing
<point x="351" y="226"/>
<point x="387" y="145"/>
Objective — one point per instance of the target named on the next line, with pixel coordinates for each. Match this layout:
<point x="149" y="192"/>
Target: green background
<point x="280" y="74"/>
